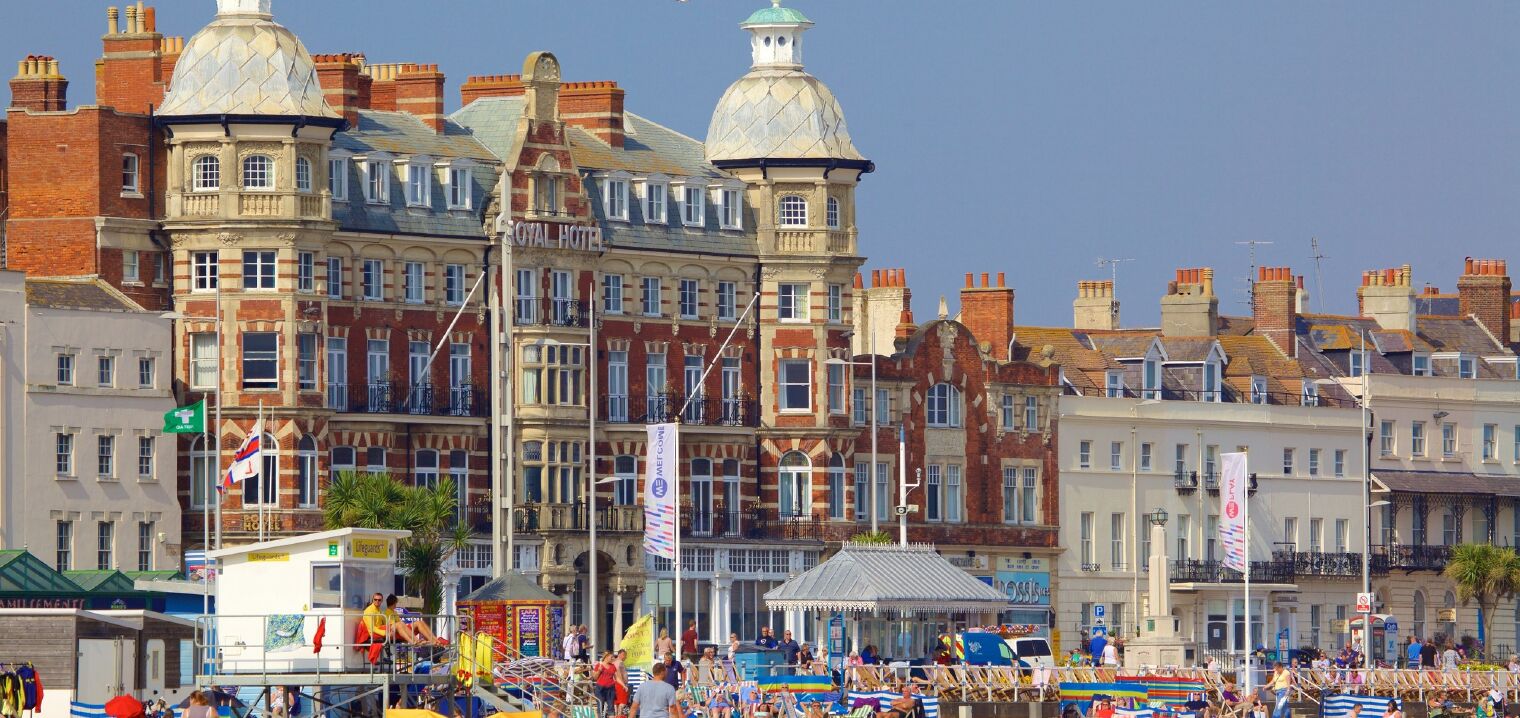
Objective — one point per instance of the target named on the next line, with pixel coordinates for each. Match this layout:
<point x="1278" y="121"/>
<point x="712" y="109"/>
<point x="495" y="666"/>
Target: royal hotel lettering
<point x="562" y="236"/>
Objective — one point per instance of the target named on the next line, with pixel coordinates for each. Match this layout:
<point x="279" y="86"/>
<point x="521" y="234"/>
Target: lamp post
<point x="871" y="476"/>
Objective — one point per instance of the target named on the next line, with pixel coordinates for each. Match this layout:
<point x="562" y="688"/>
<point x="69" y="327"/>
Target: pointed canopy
<point x="910" y="579"/>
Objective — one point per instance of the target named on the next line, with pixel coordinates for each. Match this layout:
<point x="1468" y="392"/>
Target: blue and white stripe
<point x="931" y="703"/>
<point x="1339" y="706"/>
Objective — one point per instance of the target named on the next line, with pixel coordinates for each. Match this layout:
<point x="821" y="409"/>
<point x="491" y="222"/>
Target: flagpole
<point x="216" y="448"/>
<point x="263" y="488"/>
<point x="1246" y="511"/>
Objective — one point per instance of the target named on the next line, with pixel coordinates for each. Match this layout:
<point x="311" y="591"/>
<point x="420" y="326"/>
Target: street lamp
<point x="871" y="476"/>
<point x="1157" y="517"/>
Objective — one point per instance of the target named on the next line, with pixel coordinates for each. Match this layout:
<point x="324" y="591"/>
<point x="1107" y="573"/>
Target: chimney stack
<point x="987" y="311"/>
<point x="596" y="107"/>
<point x="879" y="311"/>
<point x="419" y="91"/>
<point x="1190" y="308"/>
<point x="1095" y="306"/>
<point x="383" y="85"/>
<point x="476" y="87"/>
<point x="345" y="85"/>
<point x="1274" y="305"/>
<point x="1483" y="292"/>
<point x="1387" y="296"/>
<point x="38" y="86"/>
<point x="131" y="75"/>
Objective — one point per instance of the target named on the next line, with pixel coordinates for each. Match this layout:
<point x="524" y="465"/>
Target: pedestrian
<point x="605" y="675"/>
<point x="1111" y="655"/>
<point x="656" y="698"/>
<point x="663" y="644"/>
<point x="673" y="670"/>
<point x="1282" y="682"/>
<point x="689" y="641"/>
<point x="571" y="645"/>
<point x="789" y="648"/>
<point x="1412" y="652"/>
<point x="1428" y="653"/>
<point x="1449" y="659"/>
<point x="583" y="646"/>
<point x="620" y="701"/>
<point x="733" y="646"/>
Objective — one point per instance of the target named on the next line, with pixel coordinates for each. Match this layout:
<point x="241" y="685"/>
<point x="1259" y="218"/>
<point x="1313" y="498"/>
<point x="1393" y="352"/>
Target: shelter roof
<point x="886" y="578"/>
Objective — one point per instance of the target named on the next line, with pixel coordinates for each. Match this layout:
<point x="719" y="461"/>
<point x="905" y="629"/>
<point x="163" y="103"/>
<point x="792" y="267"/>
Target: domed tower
<point x="248" y="209"/>
<point x="781" y="131"/>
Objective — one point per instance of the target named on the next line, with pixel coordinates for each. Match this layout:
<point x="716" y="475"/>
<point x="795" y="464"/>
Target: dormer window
<point x="258" y="172"/>
<point x="458" y="179"/>
<point x="545" y="187"/>
<point x="1211" y="381"/>
<point x="337" y="177"/>
<point x="654" y="202"/>
<point x="1259" y="390"/>
<point x="1152" y="379"/>
<point x="206" y="174"/>
<point x="833" y="213"/>
<point x="1467" y="367"/>
<point x="1355" y="363"/>
<point x="793" y="211"/>
<point x="1114" y="384"/>
<point x="1311" y="393"/>
<point x="377" y="181"/>
<point x="1420" y="365"/>
<point x="615" y="198"/>
<point x="419" y="182"/>
<point x="692" y="197"/>
<point x="730" y="205"/>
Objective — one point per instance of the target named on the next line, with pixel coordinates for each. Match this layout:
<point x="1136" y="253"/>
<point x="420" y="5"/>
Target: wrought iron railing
<point x="572" y="517"/>
<point x="550" y="311"/>
<point x="386" y="397"/>
<point x="1195" y="571"/>
<point x="662" y="408"/>
<point x="1401" y="557"/>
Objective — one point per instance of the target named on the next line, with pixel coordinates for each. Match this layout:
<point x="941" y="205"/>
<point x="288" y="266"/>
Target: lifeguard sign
<point x="271" y="597"/>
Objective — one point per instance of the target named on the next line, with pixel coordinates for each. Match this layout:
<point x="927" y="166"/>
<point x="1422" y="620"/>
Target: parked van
<point x="979" y="648"/>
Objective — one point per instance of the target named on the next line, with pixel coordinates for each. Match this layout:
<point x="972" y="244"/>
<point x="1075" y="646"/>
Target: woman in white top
<point x="733" y="645"/>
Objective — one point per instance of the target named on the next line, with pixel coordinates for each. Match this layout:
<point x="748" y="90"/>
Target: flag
<point x="662" y="484"/>
<point x="316" y="640"/>
<point x="186" y="419"/>
<point x="1232" y="510"/>
<point x="248" y="459"/>
<point x="638" y="641"/>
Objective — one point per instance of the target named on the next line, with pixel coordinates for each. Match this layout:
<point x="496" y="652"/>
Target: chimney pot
<point x="150" y="19"/>
<point x="111" y="15"/>
<point x="875" y="277"/>
<point x="984" y="280"/>
<point x="1000" y="279"/>
<point x="968" y="280"/>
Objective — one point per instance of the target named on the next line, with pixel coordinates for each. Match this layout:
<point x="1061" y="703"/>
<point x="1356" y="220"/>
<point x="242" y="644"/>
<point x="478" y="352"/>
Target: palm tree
<point x="1486" y="574"/>
<point x="369" y="500"/>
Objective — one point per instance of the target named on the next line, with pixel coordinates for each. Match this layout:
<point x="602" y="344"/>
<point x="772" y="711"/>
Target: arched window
<point x="793" y="211"/>
<point x="833" y="213"/>
<point x="701" y="497"/>
<point x="1449" y="628"/>
<point x="1419" y="616"/>
<point x="795" y="488"/>
<point x="303" y="174"/>
<point x="943" y="406"/>
<point x="836" y="486"/>
<point x="258" y="172"/>
<point x="626" y="469"/>
<point x="206" y="173"/>
<point x="265" y="488"/>
<point x="306" y="472"/>
<point x="425" y="471"/>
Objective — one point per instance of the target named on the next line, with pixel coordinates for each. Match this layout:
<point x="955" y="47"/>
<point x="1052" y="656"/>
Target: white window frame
<point x="273" y="357"/>
<point x="131" y="266"/>
<point x="337" y="176"/>
<point x="1113" y="384"/>
<point x="689" y="296"/>
<point x="1467" y="367"/>
<point x="377" y="179"/>
<point x="832" y="213"/>
<point x="146" y="376"/>
<point x="418" y="181"/>
<point x="206" y="174"/>
<point x="836" y="303"/>
<point x="303" y="175"/>
<point x="731" y="216"/>
<point x="792" y="305"/>
<point x="306" y="272"/>
<point x="334" y="277"/>
<point x="1419" y="364"/>
<point x="615" y="196"/>
<point x="727" y="300"/>
<point x="1310" y="393"/>
<point x="1084" y="454"/>
<point x="836" y="388"/>
<point x="413" y="282"/>
<point x="105" y="370"/>
<point x="257" y="173"/>
<point x="693" y="207"/>
<point x="1259" y="390"/>
<point x="131" y="175"/>
<point x="372" y="269"/>
<point x="459" y="184"/>
<point x="791" y="211"/>
<point x="264" y="264"/>
<point x="454" y="276"/>
<point x="942" y="406"/>
<point x="205" y="271"/>
<point x="656" y="201"/>
<point x="651" y="296"/>
<point x="804" y="368"/>
<point x="203" y="366"/>
<point x="145" y="452"/>
<point x="612" y="294"/>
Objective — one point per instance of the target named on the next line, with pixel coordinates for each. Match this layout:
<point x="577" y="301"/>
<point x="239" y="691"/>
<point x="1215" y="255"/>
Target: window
<point x="615" y="198"/>
<point x="1152" y="379"/>
<point x="160" y="273"/>
<point x="411" y="282"/>
<point x="343" y="459"/>
<point x="105" y="456"/>
<point x="1517" y="449"/>
<point x="836" y="486"/>
<point x="206" y="174"/>
<point x="145" y="373"/>
<point x="1310" y="395"/>
<point x="1316" y="535"/>
<point x="654" y="203"/>
<point x="1211" y="390"/>
<point x="1086" y="539"/>
<point x="453" y="284"/>
<point x="733" y="387"/>
<point x="726" y="301"/>
<point x="131" y="266"/>
<point x="793" y="211"/>
<point x="374" y="460"/>
<point x="836" y="303"/>
<point x="860" y="412"/>
<point x="883" y="406"/>
<point x="105" y="542"/>
<point x="796" y="385"/>
<point x="1340" y="463"/>
<point x="145" y="457"/>
<point x="1314" y="462"/>
<point x="1287" y="462"/>
<point x="1258" y="390"/>
<point x="1420" y="365"/>
<point x="203" y="268"/>
<point x="1417" y="438"/>
<point x="1184" y="532"/>
<point x="129" y="174"/>
<point x="1031" y="413"/>
<point x="1211" y="537"/>
<point x="731" y="212"/>
<point x="258" y="269"/>
<point x="1115" y="455"/>
<point x="943" y="406"/>
<point x="1146" y="449"/>
<point x="553" y="373"/>
<point x="425" y="469"/>
<point x="459" y="188"/>
<point x="1008" y="413"/>
<point x="372" y="280"/>
<point x="1448" y="439"/>
<point x="792" y="302"/>
<point x="145" y="545"/>
<point x="65" y="369"/>
<point x="1490" y="442"/>
<point x="63" y="556"/>
<point x="1342" y="535"/>
<point x="836" y="388"/>
<point x="337" y="179"/>
<point x="258" y="172"/>
<point x="954" y="495"/>
<point x="1113" y="384"/>
<point x="1084" y="454"/>
<point x="261" y="360"/>
<point x="306" y="361"/>
<point x="105" y="371"/>
<point x="63" y="454"/>
<point x="203" y="361"/>
<point x="692" y="213"/>
<point x="377" y="184"/>
<point x="651" y="296"/>
<point x="1355" y="360"/>
<point x="933" y="493"/>
<point x="625" y="488"/>
<point x="617" y="386"/>
<point x="303" y="174"/>
<point x="1029" y="503"/>
<point x="1116" y="541"/>
<point x="1385" y="438"/>
<point x="862" y="490"/>
<point x="689" y="290"/>
<point x="1290" y="532"/>
<point x="1010" y="494"/>
<point x="833" y="213"/>
<point x="655" y="386"/>
<point x="419" y="184"/>
<point x="796" y="486"/>
<point x="306" y="272"/>
<point x="334" y="277"/>
<point x="1467" y="368"/>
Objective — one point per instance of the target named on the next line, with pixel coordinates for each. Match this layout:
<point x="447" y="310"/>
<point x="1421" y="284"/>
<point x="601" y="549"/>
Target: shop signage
<point x="369" y="548"/>
<point x="978" y="563"/>
<point x="1007" y="563"/>
<point x="556" y="236"/>
<point x="41" y="603"/>
<point x="1025" y="588"/>
<point x="268" y="556"/>
<point x="1446" y="615"/>
<point x="529" y="621"/>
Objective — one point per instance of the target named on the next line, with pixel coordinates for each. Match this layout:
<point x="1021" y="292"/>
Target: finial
<point x="243" y="7"/>
<point x="775" y="3"/>
<point x="944" y="308"/>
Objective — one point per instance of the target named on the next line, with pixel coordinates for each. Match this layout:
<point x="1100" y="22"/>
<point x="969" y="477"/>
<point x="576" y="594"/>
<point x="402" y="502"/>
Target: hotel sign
<point x="555" y="236"/>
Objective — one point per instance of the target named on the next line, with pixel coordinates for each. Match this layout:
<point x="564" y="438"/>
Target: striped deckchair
<point x="1081" y="694"/>
<point x="1167" y="690"/>
<point x="931" y="703"/>
<point x="1339" y="705"/>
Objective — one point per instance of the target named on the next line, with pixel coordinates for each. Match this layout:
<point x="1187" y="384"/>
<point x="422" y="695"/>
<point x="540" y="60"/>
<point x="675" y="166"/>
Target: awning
<point x="1445" y="482"/>
<point x="908" y="579"/>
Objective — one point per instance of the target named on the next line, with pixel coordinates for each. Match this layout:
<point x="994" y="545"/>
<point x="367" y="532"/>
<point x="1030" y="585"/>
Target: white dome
<point x="778" y="113"/>
<point x="244" y="63"/>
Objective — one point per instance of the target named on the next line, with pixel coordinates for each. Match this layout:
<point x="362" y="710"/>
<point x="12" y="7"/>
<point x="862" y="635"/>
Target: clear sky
<point x="1035" y="137"/>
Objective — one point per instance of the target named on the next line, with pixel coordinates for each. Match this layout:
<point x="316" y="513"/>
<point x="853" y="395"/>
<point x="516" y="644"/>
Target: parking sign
<point x="1100" y="610"/>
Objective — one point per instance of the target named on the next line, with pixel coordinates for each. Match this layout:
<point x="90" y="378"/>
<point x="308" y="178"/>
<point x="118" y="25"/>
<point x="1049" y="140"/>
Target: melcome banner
<point x="1232" y="510"/>
<point x="662" y="484"/>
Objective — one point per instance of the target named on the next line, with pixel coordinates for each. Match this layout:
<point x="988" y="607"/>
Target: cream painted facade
<point x="111" y="418"/>
<point x="1106" y="491"/>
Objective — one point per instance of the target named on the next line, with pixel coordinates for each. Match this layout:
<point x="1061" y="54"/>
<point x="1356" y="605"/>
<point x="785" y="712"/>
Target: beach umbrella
<point x="124" y="707"/>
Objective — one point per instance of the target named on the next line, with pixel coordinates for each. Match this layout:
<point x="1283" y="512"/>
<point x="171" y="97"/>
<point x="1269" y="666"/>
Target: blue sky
<point x="1033" y="138"/>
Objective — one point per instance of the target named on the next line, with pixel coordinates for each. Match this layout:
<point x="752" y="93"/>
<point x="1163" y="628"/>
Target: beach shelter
<point x="517" y="613"/>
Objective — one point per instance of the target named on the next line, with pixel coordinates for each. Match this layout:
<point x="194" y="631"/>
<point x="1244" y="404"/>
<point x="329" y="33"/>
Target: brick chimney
<point x="419" y="91"/>
<point x="1387" y="296"/>
<point x="1514" y="322"/>
<point x="345" y="86"/>
<point x="1190" y="308"/>
<point x="1300" y="295"/>
<point x="1483" y="291"/>
<point x="1274" y="305"/>
<point x="476" y="87"/>
<point x="1095" y="306"/>
<point x="596" y="107"/>
<point x="987" y="310"/>
<point x="38" y="87"/>
<point x="130" y="74"/>
<point x="382" y="92"/>
<point x="879" y="310"/>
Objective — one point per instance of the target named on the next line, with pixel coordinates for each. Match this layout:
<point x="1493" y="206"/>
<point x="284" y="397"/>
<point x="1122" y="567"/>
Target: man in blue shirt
<point x="1096" y="646"/>
<point x="767" y="639"/>
<point x="1412" y="652"/>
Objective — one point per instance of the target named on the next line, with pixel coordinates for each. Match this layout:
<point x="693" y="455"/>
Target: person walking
<point x="1282" y="683"/>
<point x="689" y="641"/>
<point x="1449" y="659"/>
<point x="1412" y="652"/>
<point x="663" y="645"/>
<point x="656" y="698"/>
<point x="1111" y="655"/>
<point x="1429" y="652"/>
<point x="569" y="647"/>
<point x="605" y="676"/>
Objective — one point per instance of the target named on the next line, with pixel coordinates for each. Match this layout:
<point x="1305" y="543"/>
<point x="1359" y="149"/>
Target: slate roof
<point x="869" y="578"/>
<point x="512" y="587"/>
<point x="1326" y="340"/>
<point x="245" y="65"/>
<point x="1445" y="482"/>
<point x="92" y="294"/>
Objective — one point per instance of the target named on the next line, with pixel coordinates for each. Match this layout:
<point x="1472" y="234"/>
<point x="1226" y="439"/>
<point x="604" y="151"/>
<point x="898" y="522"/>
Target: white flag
<point x="1232" y="510"/>
<point x="662" y="484"/>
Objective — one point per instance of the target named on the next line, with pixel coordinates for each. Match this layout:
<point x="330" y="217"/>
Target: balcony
<point x="232" y="202"/>
<point x="1211" y="483"/>
<point x="1195" y="571"/>
<point x="715" y="522"/>
<point x="550" y="312"/>
<point x="572" y="517"/>
<point x="662" y="408"/>
<point x="1400" y="557"/>
<point x="1186" y="482"/>
<point x="1323" y="564"/>
<point x="391" y="398"/>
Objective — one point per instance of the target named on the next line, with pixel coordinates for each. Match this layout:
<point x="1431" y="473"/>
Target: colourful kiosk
<point x="517" y="613"/>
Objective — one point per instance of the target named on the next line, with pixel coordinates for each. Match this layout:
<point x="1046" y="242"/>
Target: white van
<point x="1032" y="652"/>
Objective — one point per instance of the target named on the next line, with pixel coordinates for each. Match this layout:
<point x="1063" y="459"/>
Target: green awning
<point x="102" y="581"/>
<point x="23" y="573"/>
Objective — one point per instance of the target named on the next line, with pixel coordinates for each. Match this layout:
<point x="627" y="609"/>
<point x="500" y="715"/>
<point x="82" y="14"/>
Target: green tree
<point x="872" y="538"/>
<point x="376" y="501"/>
<point x="1485" y="574"/>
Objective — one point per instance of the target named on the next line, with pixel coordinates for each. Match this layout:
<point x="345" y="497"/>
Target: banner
<point x="248" y="459"/>
<point x="186" y="419"/>
<point x="638" y="641"/>
<point x="662" y="482"/>
<point x="1232" y="510"/>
